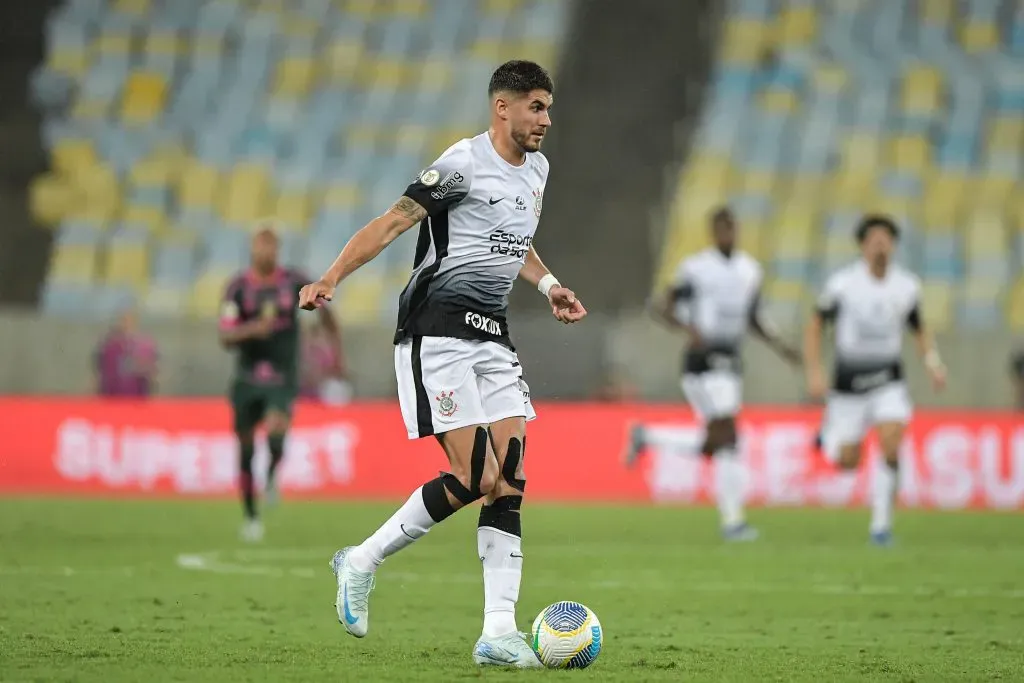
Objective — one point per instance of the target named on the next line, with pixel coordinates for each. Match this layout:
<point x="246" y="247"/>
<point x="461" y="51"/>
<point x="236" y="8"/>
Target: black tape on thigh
<point x="476" y="472"/>
<point x="515" y="454"/>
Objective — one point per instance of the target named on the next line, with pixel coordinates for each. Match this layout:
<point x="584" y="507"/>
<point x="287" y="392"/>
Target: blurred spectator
<point x="324" y="375"/>
<point x="126" y="360"/>
<point x="1018" y="377"/>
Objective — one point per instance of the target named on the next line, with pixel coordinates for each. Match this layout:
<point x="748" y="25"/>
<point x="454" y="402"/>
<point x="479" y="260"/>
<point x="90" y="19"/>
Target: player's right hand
<point x="816" y="385"/>
<point x="314" y="295"/>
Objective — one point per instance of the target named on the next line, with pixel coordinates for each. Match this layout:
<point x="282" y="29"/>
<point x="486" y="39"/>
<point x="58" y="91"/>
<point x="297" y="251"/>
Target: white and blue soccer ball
<point x="567" y="635"/>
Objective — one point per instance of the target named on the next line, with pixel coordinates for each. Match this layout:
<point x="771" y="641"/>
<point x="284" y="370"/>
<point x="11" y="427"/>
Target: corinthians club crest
<point x="446" y="405"/>
<point x="538" y="200"/>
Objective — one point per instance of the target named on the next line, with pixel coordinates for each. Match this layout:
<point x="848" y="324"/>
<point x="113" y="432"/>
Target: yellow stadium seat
<point x="540" y="51"/>
<point x="341" y="60"/>
<point x="207" y="293"/>
<point x="199" y="186"/>
<point x="492" y="50"/>
<point x="798" y="25"/>
<point x="501" y="7"/>
<point x="936" y="11"/>
<point x="861" y="152"/>
<point x="937" y="304"/>
<point x="910" y="153"/>
<point x="779" y="101"/>
<point x="852" y="189"/>
<point x="413" y="8"/>
<point x="152" y="172"/>
<point x="70" y="156"/>
<point x="145" y="95"/>
<point x="113" y="42"/>
<point x="385" y="74"/>
<point x="799" y="218"/>
<point x="1015" y="306"/>
<point x="137" y="7"/>
<point x="792" y="241"/>
<point x="207" y="46"/>
<point x="365" y="8"/>
<point x="93" y="110"/>
<point x="161" y="43"/>
<point x="755" y="237"/>
<point x="99" y="193"/>
<point x="73" y="263"/>
<point x="245" y="194"/>
<point x="992" y="192"/>
<point x="294" y="76"/>
<point x="759" y="182"/>
<point x="807" y="190"/>
<point x="979" y="37"/>
<point x="745" y="40"/>
<point x="839" y="245"/>
<point x="830" y="77"/>
<point x="1005" y="133"/>
<point x="986" y="235"/>
<point x="72" y="61"/>
<point x="361" y="299"/>
<point x="412" y="137"/>
<point x="922" y="90"/>
<point x="300" y="27"/>
<point x="127" y="265"/>
<point x="341" y="196"/>
<point x="293" y="208"/>
<point x="50" y="198"/>
<point x="153" y="218"/>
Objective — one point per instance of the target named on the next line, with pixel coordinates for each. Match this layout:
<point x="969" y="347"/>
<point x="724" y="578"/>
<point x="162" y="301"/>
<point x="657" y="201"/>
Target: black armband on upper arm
<point x="443" y="184"/>
<point x="682" y="292"/>
<point x="827" y="314"/>
<point x="914" y="318"/>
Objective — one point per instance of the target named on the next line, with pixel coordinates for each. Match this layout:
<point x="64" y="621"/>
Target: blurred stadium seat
<point x="173" y="126"/>
<point x="822" y="109"/>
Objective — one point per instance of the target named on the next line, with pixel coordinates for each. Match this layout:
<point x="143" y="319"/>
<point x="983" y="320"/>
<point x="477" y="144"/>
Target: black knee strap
<point x="476" y="472"/>
<point x="503" y="515"/>
<point x="513" y="456"/>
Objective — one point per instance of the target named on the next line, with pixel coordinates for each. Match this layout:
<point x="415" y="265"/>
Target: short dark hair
<point x="520" y="77"/>
<point x="873" y="220"/>
<point x="722" y="213"/>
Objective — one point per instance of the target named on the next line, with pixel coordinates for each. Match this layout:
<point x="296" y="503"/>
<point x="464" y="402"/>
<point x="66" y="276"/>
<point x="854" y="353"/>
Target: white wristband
<point x="546" y="283"/>
<point x="932" y="360"/>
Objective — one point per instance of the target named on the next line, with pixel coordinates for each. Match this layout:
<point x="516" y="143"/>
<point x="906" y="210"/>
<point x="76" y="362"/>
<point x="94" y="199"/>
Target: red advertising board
<point x="185" y="447"/>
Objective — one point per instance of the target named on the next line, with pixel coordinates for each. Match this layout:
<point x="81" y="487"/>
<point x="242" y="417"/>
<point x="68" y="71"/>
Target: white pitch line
<point x="211" y="562"/>
<point x="67" y="571"/>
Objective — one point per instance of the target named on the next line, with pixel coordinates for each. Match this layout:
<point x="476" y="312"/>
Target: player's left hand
<point x="315" y="295"/>
<point x="938" y="377"/>
<point x="565" y="306"/>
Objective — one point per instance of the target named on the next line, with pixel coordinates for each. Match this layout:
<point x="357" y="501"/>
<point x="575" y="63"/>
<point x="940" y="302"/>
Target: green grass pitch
<point x="163" y="591"/>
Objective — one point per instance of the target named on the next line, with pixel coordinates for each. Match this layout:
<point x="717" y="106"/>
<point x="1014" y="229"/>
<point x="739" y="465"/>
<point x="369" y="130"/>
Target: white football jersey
<point x="715" y="294"/>
<point x="870" y="315"/>
<point x="482" y="216"/>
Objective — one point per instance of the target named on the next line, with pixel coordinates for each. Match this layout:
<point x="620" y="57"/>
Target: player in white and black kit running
<point x="459" y="378"/>
<point x="715" y="298"/>
<point x="870" y="302"/>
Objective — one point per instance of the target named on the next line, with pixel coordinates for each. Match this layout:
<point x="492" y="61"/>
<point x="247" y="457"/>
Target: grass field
<point x="162" y="591"/>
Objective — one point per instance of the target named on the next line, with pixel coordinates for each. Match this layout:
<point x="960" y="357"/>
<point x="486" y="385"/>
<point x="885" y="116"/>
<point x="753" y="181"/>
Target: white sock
<point x="883" y="496"/>
<point x="502" y="556"/>
<point x="730" y="486"/>
<point x="405" y="526"/>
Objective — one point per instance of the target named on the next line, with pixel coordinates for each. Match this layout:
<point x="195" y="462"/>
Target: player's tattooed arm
<point x="367" y="243"/>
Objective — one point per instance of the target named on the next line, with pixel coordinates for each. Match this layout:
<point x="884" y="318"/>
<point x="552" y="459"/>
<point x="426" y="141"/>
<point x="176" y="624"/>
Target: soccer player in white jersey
<point x="869" y="302"/>
<point x="459" y="378"/>
<point x="715" y="298"/>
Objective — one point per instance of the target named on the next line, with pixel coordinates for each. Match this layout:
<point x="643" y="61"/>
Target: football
<point x="567" y="635"/>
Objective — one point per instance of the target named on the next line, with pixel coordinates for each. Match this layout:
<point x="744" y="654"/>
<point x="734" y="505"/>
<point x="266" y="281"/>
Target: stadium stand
<point x="823" y="109"/>
<point x="173" y="126"/>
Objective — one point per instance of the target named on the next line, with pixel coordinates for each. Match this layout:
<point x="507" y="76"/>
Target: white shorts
<point x="713" y="394"/>
<point x="848" y="417"/>
<point x="446" y="383"/>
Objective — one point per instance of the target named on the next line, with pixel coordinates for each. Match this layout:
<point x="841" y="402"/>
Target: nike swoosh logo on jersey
<point x="492" y="201"/>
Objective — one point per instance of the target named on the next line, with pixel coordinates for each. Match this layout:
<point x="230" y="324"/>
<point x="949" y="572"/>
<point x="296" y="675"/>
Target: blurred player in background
<point x="459" y="378"/>
<point x="869" y="302"/>
<point x="258" y="320"/>
<point x="715" y="298"/>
